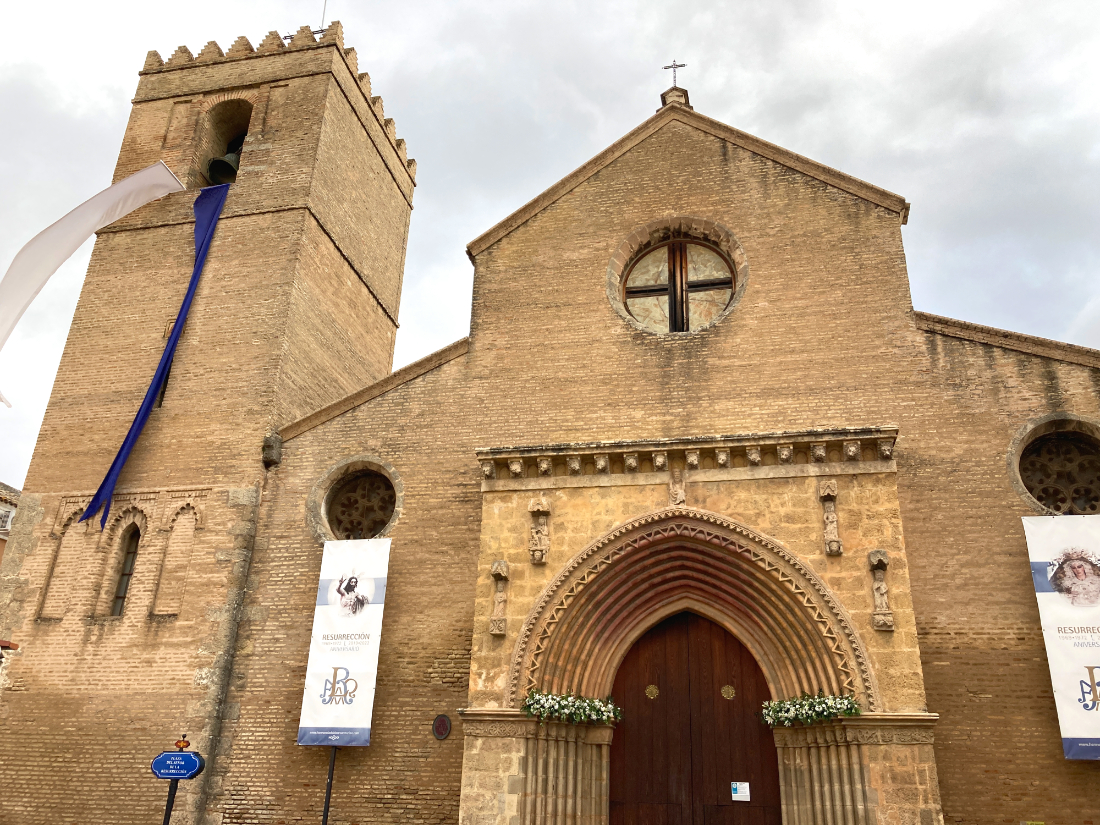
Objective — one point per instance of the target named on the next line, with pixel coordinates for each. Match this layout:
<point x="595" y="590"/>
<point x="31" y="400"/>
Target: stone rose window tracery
<point x="1062" y="472"/>
<point x="679" y="286"/>
<point x="361" y="505"/>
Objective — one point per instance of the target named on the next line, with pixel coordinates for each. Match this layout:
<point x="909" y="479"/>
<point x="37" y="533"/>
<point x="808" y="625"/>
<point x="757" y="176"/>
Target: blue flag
<point x="208" y="208"/>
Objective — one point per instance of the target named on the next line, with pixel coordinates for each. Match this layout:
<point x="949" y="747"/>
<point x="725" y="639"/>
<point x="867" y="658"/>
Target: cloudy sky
<point x="985" y="115"/>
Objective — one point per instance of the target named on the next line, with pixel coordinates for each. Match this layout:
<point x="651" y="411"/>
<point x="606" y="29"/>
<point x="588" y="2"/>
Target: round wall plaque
<point x="652" y="691"/>
<point x="441" y="727"/>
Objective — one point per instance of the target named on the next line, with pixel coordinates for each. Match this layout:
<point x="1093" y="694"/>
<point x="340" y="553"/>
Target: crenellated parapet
<point x="274" y="43"/>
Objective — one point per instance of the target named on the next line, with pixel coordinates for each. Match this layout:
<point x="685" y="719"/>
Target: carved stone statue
<point x="497" y="620"/>
<point x="883" y="617"/>
<point x="827" y="492"/>
<point x="882" y="601"/>
<point x="676" y="494"/>
<point x="539" y="543"/>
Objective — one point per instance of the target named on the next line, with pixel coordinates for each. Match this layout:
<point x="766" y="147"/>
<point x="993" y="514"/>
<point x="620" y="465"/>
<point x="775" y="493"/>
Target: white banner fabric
<point x="1065" y="567"/>
<point x="342" y="671"/>
<point x="40" y="257"/>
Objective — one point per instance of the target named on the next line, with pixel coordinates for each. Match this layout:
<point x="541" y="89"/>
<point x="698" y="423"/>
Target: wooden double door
<point x="691" y="696"/>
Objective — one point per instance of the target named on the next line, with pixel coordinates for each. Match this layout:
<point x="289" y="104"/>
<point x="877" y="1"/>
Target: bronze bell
<point x="224" y="169"/>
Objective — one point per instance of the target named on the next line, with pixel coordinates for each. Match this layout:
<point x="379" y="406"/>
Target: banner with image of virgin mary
<point x="342" y="670"/>
<point x="1065" y="567"/>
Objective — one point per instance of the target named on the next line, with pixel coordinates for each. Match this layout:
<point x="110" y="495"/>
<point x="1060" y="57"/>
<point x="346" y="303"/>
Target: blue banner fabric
<point x="208" y="208"/>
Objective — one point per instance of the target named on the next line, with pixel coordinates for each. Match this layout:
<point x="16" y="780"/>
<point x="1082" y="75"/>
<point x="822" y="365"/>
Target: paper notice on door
<point x="740" y="791"/>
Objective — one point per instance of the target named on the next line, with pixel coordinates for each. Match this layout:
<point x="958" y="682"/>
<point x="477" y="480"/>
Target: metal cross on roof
<point x="674" y="66"/>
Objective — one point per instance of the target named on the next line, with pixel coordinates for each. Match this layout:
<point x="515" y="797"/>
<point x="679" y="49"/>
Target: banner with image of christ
<point x="342" y="670"/>
<point x="1065" y="568"/>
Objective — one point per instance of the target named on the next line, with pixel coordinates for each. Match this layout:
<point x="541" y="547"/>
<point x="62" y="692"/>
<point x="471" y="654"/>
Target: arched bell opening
<point x="678" y="559"/>
<point x="220" y="143"/>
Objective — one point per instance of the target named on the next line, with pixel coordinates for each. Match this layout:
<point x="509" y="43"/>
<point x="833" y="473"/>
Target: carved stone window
<point x="1061" y="470"/>
<point x="361" y="505"/>
<point x="679" y="286"/>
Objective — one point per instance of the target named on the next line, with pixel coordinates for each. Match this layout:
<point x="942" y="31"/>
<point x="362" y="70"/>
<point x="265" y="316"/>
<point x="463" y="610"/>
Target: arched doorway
<point x="691" y="695"/>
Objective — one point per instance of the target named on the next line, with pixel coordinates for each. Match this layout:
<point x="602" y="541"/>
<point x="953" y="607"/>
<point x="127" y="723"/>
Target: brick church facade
<point x="697" y="451"/>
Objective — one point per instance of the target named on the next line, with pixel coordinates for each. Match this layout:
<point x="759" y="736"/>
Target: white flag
<point x="46" y="251"/>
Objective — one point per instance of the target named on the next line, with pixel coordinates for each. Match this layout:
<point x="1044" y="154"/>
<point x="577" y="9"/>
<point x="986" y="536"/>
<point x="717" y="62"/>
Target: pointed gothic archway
<point x="678" y="559"/>
<point x="611" y="594"/>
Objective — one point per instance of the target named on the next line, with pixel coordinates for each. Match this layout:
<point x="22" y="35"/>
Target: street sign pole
<point x="172" y="785"/>
<point x="328" y="787"/>
<point x="174" y="766"/>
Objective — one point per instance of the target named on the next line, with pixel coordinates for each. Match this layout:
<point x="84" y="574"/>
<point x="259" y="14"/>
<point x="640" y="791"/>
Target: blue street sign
<point x="178" y="765"/>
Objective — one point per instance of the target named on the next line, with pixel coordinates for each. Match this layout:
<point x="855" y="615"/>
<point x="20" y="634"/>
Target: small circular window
<point x="361" y="505"/>
<point x="679" y="286"/>
<point x="1061" y="470"/>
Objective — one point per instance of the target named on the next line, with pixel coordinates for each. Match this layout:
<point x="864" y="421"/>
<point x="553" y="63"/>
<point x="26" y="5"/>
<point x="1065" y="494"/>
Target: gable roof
<point x="686" y="115"/>
<point x="1031" y="344"/>
<point x="395" y="379"/>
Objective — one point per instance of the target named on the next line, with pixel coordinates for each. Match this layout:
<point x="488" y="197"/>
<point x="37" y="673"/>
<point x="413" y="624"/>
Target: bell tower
<point x="129" y="633"/>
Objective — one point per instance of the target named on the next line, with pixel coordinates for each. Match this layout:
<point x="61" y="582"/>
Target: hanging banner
<point x="1065" y="566"/>
<point x="343" y="653"/>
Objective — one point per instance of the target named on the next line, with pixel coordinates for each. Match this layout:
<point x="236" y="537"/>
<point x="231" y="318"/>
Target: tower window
<point x="678" y="287"/>
<point x="129" y="558"/>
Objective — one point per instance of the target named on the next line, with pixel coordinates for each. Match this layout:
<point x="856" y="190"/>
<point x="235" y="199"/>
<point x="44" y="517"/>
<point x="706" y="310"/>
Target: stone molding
<point x="867" y="729"/>
<point x="703" y="459"/>
<point x="497" y="722"/>
<point x="515" y="724"/>
<point x="798" y="593"/>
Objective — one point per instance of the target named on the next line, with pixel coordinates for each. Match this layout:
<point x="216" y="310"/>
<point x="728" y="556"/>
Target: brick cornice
<point x="675" y="112"/>
<point x="390" y="382"/>
<point x="1031" y="344"/>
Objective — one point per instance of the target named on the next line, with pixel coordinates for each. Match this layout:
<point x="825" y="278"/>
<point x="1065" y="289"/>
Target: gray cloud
<point x="982" y="114"/>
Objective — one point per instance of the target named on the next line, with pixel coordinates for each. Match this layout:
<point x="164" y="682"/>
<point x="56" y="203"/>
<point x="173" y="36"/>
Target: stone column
<point x="860" y="770"/>
<point x="520" y="772"/>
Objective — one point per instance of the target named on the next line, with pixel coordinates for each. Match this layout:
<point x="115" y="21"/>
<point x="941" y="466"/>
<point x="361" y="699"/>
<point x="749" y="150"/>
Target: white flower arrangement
<point x="808" y="709"/>
<point x="576" y="710"/>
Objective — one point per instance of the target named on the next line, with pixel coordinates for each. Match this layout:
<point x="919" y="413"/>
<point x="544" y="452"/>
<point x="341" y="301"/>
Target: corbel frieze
<point x="846" y="451"/>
